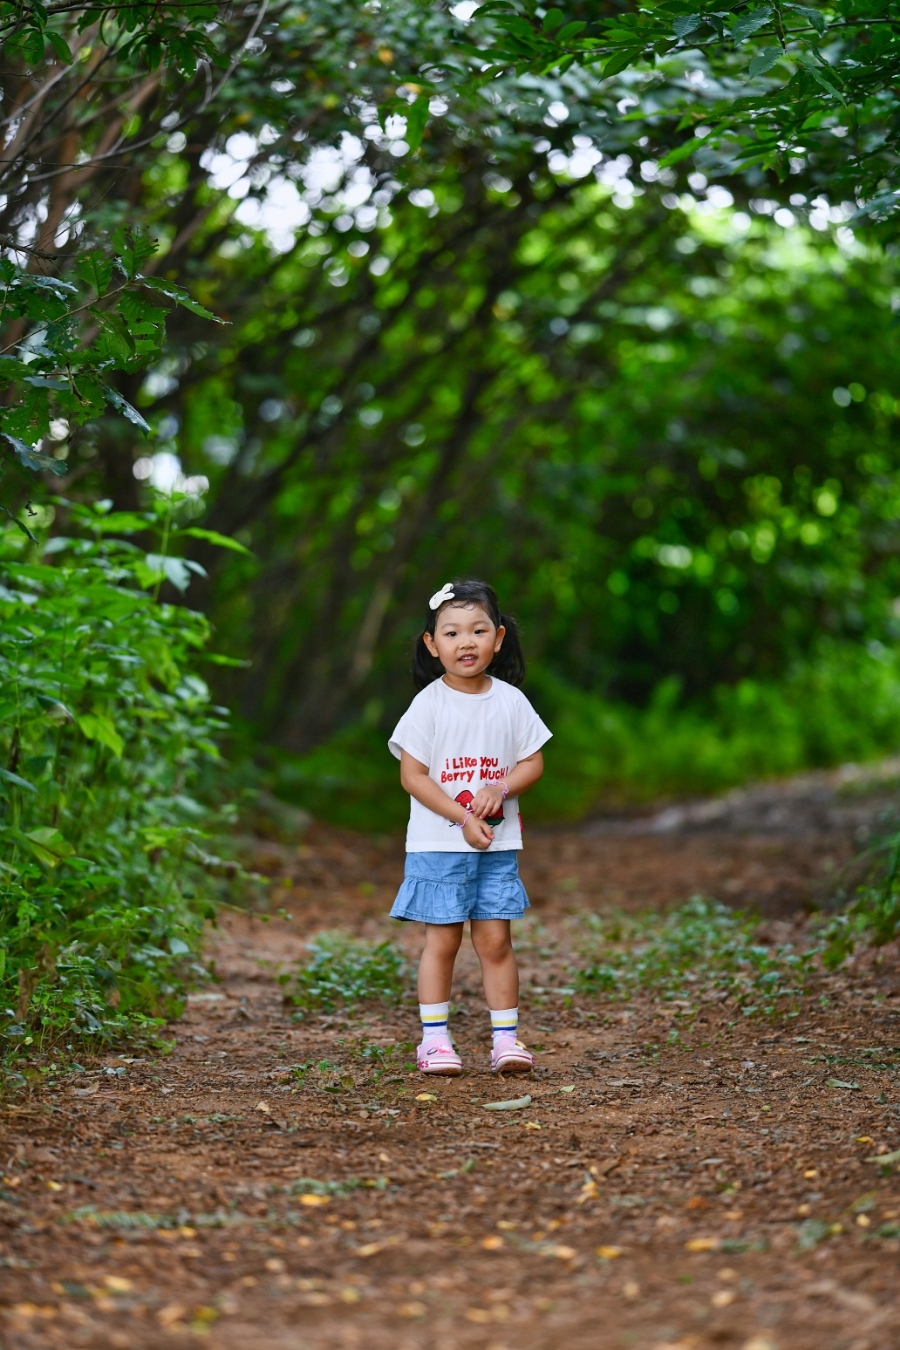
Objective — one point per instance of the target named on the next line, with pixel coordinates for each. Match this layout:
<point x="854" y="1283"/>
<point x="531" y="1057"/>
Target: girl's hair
<point x="508" y="664"/>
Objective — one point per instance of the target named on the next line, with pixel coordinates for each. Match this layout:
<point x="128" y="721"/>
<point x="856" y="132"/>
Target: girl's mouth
<point x="467" y="660"/>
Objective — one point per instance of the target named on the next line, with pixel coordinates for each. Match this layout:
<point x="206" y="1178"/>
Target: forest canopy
<point x="597" y="302"/>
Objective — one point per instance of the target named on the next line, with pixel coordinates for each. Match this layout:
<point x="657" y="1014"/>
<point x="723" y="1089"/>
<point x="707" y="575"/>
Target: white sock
<point x="504" y="1022"/>
<point x="434" y="1021"/>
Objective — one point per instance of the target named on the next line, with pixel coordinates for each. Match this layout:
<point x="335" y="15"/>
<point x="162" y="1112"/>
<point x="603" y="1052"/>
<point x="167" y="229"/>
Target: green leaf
<point x="571" y="30"/>
<point x="98" y="727"/>
<point x="416" y="120"/>
<point x="812" y="16"/>
<point x="686" y="23"/>
<point x="124" y="407"/>
<point x="181" y="296"/>
<point x="751" y="22"/>
<point x="681" y="152"/>
<point x="552" y="19"/>
<point x="54" y="709"/>
<point x="764" y="61"/>
<point x="33" y="47"/>
<point x="59" y="45"/>
<point x="220" y="540"/>
<point x="621" y="60"/>
<point x="35" y="459"/>
<point x="839" y="1083"/>
<point x="178" y="947"/>
<point x="48" y="845"/>
<point x="16" y="780"/>
<point x="177" y="571"/>
<point x="133" y="248"/>
<point x="95" y="269"/>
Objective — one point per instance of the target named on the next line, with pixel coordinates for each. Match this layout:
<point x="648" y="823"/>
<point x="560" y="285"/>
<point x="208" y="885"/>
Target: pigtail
<point x="509" y="663"/>
<point x="426" y="668"/>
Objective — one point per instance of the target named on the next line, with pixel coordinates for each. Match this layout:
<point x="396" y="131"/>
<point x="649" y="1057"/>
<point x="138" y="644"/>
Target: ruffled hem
<point x="422" y="901"/>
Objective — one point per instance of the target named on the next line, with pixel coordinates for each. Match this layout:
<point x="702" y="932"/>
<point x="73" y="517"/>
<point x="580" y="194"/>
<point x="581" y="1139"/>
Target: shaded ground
<point x="713" y="1194"/>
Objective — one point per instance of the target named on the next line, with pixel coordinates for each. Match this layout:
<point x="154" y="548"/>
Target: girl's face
<point x="465" y="640"/>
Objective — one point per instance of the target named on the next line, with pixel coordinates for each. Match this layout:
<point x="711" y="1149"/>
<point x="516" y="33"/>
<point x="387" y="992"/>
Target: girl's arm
<point x="414" y="780"/>
<point x="489" y="800"/>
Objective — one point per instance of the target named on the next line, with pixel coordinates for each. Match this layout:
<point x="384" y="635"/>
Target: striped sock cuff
<point x="505" y="1020"/>
<point x="434" y="1015"/>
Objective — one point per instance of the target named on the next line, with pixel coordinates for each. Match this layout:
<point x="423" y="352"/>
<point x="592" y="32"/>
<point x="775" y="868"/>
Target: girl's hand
<point x="488" y="801"/>
<point x="478" y="833"/>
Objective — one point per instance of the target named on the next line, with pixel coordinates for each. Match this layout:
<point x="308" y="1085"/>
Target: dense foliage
<point x="597" y="302"/>
<point x="105" y="729"/>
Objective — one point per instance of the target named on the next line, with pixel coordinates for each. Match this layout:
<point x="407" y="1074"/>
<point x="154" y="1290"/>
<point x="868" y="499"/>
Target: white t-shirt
<point x="467" y="741"/>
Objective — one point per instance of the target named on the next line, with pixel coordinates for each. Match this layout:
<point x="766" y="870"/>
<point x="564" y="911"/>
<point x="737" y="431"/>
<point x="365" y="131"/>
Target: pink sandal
<point x="510" y="1056"/>
<point x="438" y="1057"/>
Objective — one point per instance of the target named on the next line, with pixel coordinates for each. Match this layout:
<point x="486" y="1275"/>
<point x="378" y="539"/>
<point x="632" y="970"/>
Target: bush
<point x="342" y="970"/>
<point x="104" y="728"/>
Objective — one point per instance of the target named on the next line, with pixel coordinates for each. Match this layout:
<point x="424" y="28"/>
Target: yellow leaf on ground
<point x="412" y="1310"/>
<point x="312" y="1200"/>
<point x="426" y="1097"/>
<point x="708" y="1244"/>
<point x="170" y="1314"/>
<point x="610" y="1253"/>
<point x="492" y="1244"/>
<point x="370" y="1249"/>
<point x="564" y="1253"/>
<point x="532" y="1125"/>
<point x="117" y="1284"/>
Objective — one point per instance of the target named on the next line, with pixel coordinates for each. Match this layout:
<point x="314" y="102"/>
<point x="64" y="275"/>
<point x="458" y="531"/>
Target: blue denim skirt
<point x="453" y="887"/>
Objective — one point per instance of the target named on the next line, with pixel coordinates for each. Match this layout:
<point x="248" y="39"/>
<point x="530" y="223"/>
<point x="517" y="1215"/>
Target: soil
<point x="711" y="1194"/>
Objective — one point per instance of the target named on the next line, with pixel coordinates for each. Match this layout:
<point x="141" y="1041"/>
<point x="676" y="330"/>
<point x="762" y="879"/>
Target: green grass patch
<point x="343" y="971"/>
<point x="696" y="951"/>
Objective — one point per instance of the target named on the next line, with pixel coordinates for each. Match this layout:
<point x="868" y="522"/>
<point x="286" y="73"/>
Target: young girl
<point x="468" y="746"/>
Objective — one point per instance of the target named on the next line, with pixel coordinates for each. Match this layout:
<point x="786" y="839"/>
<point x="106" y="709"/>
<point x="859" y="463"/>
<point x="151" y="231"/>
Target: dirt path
<point x="710" y="1195"/>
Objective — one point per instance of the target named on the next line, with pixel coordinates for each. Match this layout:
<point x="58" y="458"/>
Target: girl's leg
<point x="442" y="942"/>
<point x="436" y="1054"/>
<point x="492" y="941"/>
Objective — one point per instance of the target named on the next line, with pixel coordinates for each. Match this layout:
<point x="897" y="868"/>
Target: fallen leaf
<point x="610" y="1253"/>
<point x="864" y="1139"/>
<point x="886" y="1159"/>
<point x="702" y="1245"/>
<point x="722" y="1298"/>
<point x="264" y="1107"/>
<point x="532" y="1125"/>
<point x="839" y="1083"/>
<point x="370" y="1249"/>
<point x="513" y="1104"/>
<point x="117" y="1284"/>
<point x="88" y="1090"/>
<point x="603" y="1169"/>
<point x="630" y="1289"/>
<point x="564" y="1253"/>
<point x="170" y="1314"/>
<point x="426" y="1097"/>
<point x="568" y="1089"/>
<point x="54" y="1186"/>
<point x="412" y="1310"/>
<point x="492" y="1244"/>
<point x="311" y="1200"/>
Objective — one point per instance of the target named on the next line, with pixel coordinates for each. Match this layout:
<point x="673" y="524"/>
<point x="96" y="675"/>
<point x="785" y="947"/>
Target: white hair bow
<point x="445" y="593"/>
